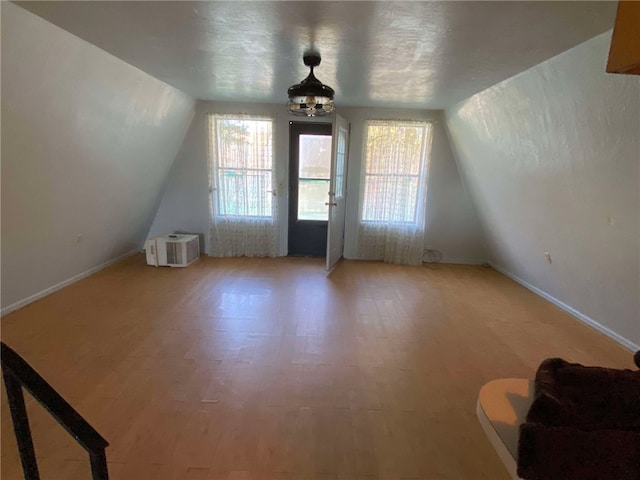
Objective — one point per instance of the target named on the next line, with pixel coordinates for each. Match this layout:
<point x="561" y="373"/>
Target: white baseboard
<point x="463" y="261"/>
<point x="628" y="344"/>
<point x="48" y="291"/>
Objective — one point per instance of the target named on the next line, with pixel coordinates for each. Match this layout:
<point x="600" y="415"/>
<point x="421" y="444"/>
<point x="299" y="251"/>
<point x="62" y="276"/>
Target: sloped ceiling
<point x="395" y="54"/>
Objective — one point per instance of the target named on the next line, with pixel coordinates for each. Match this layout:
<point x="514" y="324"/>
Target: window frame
<point x="216" y="191"/>
<point x="423" y="171"/>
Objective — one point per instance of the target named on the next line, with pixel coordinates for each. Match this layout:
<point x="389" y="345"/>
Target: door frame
<point x="295" y="129"/>
<point x="337" y="200"/>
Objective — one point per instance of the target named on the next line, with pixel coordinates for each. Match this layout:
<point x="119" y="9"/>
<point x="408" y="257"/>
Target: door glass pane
<point x="315" y="156"/>
<point x="312" y="196"/>
<point x="314" y="172"/>
<point x="340" y="154"/>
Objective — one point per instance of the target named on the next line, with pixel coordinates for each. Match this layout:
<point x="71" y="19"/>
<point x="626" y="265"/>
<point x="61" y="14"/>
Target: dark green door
<point x="309" y="177"/>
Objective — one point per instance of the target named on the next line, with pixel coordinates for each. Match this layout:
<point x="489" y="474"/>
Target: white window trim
<point x="213" y="168"/>
<point x="420" y="209"/>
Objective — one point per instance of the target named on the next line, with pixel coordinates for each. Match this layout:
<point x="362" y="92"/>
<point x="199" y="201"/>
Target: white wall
<point x="87" y="142"/>
<point x="453" y="227"/>
<point x="551" y="159"/>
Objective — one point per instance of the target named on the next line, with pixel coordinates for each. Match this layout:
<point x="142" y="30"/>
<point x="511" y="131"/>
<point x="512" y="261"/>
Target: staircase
<point x="17" y="373"/>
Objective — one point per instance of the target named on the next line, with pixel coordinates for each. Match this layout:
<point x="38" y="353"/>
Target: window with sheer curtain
<point x="242" y="178"/>
<point x="393" y="201"/>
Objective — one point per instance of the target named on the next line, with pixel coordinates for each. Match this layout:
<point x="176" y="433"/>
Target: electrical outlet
<point x="547" y="257"/>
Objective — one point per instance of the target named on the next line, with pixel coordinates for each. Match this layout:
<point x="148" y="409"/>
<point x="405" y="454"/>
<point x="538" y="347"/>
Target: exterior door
<point x="310" y="146"/>
<point x="338" y="190"/>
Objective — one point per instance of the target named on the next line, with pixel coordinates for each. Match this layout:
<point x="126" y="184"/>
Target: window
<point x="314" y="173"/>
<point x="395" y="170"/>
<point x="393" y="208"/>
<point x="242" y="166"/>
<point x="243" y="205"/>
<point x="340" y="163"/>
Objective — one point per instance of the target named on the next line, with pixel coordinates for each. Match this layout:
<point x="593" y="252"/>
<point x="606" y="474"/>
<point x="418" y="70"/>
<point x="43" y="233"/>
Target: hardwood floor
<point x="268" y="369"/>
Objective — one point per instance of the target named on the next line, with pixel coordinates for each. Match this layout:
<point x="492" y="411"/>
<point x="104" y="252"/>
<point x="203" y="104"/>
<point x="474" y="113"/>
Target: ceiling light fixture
<point x="310" y="97"/>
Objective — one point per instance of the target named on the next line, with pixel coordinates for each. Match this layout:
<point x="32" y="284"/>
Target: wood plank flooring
<point x="244" y="369"/>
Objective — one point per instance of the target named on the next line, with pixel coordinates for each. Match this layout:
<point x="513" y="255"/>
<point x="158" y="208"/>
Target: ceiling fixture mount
<point x="310" y="97"/>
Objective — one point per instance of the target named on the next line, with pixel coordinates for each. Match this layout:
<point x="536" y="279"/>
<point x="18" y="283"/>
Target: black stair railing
<point x="17" y="373"/>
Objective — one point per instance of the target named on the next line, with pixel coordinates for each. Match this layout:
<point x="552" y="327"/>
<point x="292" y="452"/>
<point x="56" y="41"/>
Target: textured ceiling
<point x="400" y="54"/>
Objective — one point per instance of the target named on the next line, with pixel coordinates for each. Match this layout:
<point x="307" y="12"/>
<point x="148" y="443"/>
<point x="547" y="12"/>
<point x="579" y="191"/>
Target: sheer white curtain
<point x="243" y="206"/>
<point x="393" y="202"/>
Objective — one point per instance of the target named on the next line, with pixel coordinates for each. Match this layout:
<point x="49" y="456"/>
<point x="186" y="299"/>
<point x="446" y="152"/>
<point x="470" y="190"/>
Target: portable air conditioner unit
<point x="173" y="250"/>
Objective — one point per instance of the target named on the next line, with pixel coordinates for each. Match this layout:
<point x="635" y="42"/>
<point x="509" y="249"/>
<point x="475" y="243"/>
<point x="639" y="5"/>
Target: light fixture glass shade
<point x="311" y="106"/>
<point x="310" y="98"/>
